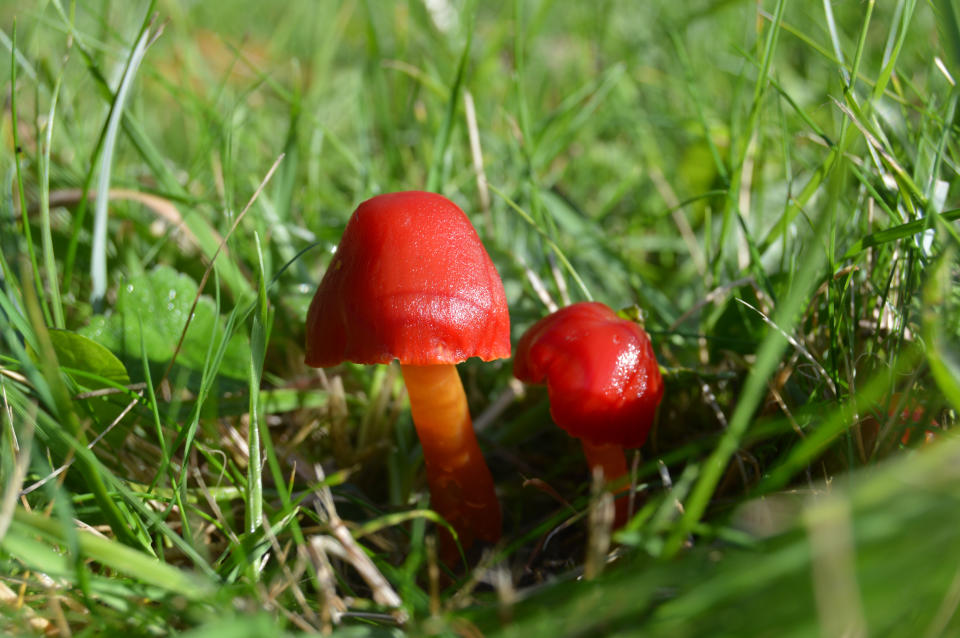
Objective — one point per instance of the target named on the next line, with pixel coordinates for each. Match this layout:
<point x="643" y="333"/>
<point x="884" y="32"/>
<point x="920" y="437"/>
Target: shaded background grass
<point x="740" y="171"/>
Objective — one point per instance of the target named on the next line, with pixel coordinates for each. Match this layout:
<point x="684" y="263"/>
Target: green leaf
<point x="155" y="306"/>
<point x="82" y="353"/>
<point x="93" y="367"/>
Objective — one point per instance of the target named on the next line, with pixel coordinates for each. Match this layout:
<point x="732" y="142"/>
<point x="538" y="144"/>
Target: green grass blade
<point x="742" y="145"/>
<point x="767" y="359"/>
<point x="27" y="234"/>
<point x="110" y="553"/>
<point x="949" y="25"/>
<point x="902" y="27"/>
<point x="553" y="246"/>
<point x="861" y="42"/>
<point x="98" y="259"/>
<point x="896" y="233"/>
<point x="259" y="336"/>
<point x="93" y="473"/>
<point x="942" y="354"/>
<point x="435" y="178"/>
<point x="49" y="259"/>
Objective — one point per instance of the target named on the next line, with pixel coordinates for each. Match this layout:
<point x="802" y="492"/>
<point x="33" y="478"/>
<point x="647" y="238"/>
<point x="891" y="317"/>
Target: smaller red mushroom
<point x="602" y="379"/>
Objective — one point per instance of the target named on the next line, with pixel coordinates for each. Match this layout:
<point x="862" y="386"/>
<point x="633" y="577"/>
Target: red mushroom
<point x="411" y="281"/>
<point x="602" y="379"/>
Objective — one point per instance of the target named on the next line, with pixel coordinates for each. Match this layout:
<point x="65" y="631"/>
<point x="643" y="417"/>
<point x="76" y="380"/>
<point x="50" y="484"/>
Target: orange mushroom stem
<point x="612" y="461"/>
<point x="461" y="487"/>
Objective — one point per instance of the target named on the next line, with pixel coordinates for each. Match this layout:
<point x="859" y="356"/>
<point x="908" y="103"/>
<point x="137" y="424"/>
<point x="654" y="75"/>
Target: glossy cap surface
<point x="411" y="281"/>
<point x="601" y="373"/>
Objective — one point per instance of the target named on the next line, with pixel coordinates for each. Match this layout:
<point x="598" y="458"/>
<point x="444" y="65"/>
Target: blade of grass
<point x="861" y="44"/>
<point x="553" y="246"/>
<point x="124" y="559"/>
<point x="767" y="359"/>
<point x="942" y="357"/>
<point x="259" y="337"/>
<point x="902" y="231"/>
<point x="835" y="40"/>
<point x="948" y="23"/>
<point x="21" y="59"/>
<point x="49" y="259"/>
<point x="98" y="257"/>
<point x="27" y="234"/>
<point x="90" y="469"/>
<point x="435" y="178"/>
<point x="906" y="14"/>
<point x="741" y="146"/>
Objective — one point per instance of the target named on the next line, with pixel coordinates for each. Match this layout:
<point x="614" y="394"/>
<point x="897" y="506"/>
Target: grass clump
<point x="774" y="185"/>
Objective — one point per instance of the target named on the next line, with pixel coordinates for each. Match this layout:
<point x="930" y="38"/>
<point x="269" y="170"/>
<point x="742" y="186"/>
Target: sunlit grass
<point x="773" y="185"/>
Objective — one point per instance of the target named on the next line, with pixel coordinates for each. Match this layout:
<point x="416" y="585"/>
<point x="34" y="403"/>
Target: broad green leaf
<point x="155" y="306"/>
<point x="82" y="353"/>
<point x="92" y="366"/>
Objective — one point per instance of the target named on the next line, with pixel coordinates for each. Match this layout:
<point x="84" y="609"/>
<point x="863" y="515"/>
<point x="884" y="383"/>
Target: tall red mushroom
<point x="602" y="378"/>
<point x="412" y="281"/>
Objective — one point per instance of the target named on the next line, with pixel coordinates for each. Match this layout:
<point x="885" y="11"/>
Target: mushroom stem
<point x="613" y="462"/>
<point x="461" y="487"/>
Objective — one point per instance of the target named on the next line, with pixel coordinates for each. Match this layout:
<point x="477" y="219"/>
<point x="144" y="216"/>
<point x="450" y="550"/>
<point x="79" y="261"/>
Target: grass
<point x="773" y="184"/>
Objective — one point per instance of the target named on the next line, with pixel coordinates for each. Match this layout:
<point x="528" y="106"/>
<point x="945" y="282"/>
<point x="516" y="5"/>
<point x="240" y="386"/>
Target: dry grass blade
<point x="22" y="463"/>
<point x="512" y="393"/>
<point x="16" y="376"/>
<point x="333" y="606"/>
<point x="796" y="344"/>
<point x="11" y="599"/>
<point x="60" y="470"/>
<point x="342" y="544"/>
<point x="476" y="154"/>
<point x="162" y="207"/>
<point x="213" y="259"/>
<point x="290" y="581"/>
<point x="599" y="526"/>
<point x="537" y="284"/>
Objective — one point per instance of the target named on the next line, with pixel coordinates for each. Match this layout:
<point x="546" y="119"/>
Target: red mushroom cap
<point x="601" y="374"/>
<point x="411" y="281"/>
